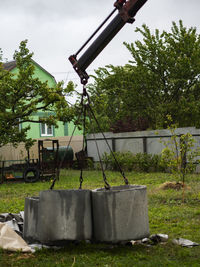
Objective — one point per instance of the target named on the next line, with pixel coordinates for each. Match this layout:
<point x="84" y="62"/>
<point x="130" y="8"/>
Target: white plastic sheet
<point x="11" y="241"/>
<point x="184" y="242"/>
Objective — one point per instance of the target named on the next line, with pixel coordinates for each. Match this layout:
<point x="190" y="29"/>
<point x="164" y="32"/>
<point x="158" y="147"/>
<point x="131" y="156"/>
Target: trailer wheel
<point x="31" y="175"/>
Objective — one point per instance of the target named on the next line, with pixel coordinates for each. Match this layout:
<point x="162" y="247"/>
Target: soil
<point x="172" y="185"/>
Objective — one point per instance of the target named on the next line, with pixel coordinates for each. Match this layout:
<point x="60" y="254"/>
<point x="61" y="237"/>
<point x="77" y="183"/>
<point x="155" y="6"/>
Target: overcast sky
<point x="55" y="29"/>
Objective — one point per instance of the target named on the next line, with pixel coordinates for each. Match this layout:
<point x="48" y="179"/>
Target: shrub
<point x="125" y="160"/>
<point x="133" y="162"/>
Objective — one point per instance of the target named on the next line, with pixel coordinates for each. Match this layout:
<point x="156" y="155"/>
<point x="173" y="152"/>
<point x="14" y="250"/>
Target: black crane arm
<point x="127" y="10"/>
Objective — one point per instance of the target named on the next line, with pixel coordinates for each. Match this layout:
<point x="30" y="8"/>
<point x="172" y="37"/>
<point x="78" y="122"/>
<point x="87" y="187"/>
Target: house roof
<point x="12" y="64"/>
<point x="9" y="65"/>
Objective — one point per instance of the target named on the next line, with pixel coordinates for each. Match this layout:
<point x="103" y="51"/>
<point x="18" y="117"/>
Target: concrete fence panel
<point x="151" y="142"/>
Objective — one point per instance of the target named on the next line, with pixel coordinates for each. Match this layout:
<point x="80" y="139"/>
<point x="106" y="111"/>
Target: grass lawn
<point x="167" y="215"/>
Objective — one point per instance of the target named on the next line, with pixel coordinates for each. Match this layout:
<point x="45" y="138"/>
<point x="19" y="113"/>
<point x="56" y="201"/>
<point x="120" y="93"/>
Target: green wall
<point x="41" y="74"/>
<point x="71" y="128"/>
<point x="63" y="129"/>
<point x="35" y="131"/>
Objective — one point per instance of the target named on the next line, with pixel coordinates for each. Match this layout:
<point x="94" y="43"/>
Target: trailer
<point x="45" y="167"/>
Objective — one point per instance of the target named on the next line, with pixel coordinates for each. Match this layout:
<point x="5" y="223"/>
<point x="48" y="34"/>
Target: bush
<point x="125" y="160"/>
<point x="141" y="162"/>
<point x="87" y="163"/>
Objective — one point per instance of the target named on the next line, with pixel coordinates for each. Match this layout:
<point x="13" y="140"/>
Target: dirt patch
<point x="173" y="185"/>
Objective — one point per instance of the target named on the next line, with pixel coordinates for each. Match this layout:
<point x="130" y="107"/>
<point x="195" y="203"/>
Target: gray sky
<point x="55" y="29"/>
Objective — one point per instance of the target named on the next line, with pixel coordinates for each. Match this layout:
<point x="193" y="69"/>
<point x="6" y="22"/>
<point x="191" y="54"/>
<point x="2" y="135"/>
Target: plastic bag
<point x="11" y="241"/>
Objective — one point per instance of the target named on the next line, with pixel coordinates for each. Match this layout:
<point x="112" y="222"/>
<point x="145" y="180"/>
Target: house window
<point x="46" y="130"/>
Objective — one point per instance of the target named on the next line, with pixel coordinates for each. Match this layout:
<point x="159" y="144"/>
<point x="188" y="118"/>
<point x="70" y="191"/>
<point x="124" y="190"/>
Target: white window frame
<point x="46" y="127"/>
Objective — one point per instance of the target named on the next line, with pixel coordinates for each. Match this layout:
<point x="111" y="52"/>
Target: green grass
<point x="167" y="215"/>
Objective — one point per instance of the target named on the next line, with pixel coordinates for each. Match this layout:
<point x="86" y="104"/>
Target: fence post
<point x="144" y="145"/>
<point x="113" y="145"/>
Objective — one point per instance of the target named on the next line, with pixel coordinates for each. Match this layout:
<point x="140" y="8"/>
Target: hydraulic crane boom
<point x="127" y="10"/>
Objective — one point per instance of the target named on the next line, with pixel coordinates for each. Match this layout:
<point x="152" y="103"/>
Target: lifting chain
<point x="84" y="108"/>
<point x="107" y="186"/>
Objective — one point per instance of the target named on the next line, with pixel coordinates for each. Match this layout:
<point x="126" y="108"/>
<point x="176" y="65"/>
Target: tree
<point x="21" y="95"/>
<point x="180" y="154"/>
<point x="163" y="78"/>
<point x="117" y="102"/>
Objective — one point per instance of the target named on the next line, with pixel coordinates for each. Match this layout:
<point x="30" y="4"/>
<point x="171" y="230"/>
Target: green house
<point x="42" y="130"/>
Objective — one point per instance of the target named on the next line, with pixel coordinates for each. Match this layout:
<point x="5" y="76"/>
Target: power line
<point x="70" y="71"/>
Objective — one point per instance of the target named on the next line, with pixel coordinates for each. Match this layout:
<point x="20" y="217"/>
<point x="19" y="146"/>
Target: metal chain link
<point x="113" y="155"/>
